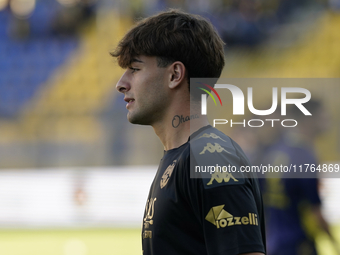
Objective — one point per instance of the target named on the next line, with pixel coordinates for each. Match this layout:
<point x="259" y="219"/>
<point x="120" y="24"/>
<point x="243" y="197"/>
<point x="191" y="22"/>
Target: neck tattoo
<point x="179" y="119"/>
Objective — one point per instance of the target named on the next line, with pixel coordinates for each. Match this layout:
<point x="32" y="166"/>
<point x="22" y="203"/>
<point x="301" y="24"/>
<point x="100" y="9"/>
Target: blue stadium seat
<point x="26" y="65"/>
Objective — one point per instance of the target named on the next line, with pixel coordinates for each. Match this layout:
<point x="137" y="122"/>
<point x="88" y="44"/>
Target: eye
<point x="133" y="69"/>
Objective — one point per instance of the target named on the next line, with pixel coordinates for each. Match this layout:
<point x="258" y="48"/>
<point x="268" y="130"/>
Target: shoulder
<point x="217" y="159"/>
<point x="211" y="144"/>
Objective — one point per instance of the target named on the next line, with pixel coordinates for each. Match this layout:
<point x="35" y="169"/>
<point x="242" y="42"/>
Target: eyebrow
<point x="136" y="60"/>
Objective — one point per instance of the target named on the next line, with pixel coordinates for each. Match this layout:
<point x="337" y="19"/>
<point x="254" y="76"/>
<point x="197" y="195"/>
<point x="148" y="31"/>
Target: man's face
<point x="144" y="85"/>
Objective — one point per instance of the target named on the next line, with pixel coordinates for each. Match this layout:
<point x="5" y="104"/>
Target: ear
<point x="177" y="74"/>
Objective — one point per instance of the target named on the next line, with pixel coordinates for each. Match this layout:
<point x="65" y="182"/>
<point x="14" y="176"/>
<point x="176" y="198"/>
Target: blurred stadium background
<point x="74" y="175"/>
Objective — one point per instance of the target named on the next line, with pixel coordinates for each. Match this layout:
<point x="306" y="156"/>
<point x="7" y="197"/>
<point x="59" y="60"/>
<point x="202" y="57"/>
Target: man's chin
<point x="137" y="120"/>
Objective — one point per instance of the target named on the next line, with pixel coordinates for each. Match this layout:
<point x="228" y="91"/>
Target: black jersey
<point x="218" y="215"/>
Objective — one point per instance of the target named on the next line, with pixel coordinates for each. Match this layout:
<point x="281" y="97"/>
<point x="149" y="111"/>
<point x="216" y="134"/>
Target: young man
<point x="218" y="215"/>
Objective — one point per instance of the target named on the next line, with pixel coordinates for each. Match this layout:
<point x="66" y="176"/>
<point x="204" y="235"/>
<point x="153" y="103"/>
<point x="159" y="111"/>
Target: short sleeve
<point x="231" y="219"/>
<point x="229" y="207"/>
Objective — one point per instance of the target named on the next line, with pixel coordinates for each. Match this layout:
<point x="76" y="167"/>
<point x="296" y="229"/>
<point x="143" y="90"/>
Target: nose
<point x="123" y="85"/>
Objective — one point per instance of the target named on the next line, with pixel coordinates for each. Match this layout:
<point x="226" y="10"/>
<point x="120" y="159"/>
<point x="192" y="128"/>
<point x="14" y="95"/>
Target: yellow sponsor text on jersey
<point x="221" y="218"/>
<point x="147" y="234"/>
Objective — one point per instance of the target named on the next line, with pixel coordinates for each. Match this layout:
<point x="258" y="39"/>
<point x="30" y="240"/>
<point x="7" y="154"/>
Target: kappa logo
<point x="211" y="135"/>
<point x="221" y="218"/>
<point x="221" y="176"/>
<point x="213" y="148"/>
<point x="167" y="174"/>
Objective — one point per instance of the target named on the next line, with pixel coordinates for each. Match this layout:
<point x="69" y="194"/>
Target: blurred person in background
<point x="183" y="215"/>
<point x="293" y="205"/>
<point x="68" y="19"/>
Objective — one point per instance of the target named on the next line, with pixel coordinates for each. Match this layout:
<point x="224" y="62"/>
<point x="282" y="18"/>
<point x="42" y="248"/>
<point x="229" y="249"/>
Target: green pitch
<point x="71" y="242"/>
<point x="91" y="242"/>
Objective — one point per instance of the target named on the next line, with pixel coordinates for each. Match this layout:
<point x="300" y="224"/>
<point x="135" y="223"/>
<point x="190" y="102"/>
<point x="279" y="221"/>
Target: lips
<point x="129" y="101"/>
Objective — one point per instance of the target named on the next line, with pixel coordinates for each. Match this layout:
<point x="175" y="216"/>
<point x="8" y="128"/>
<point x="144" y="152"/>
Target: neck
<point x="178" y="124"/>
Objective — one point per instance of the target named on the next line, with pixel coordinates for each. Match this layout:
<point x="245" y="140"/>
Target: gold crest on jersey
<point x="167" y="174"/>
